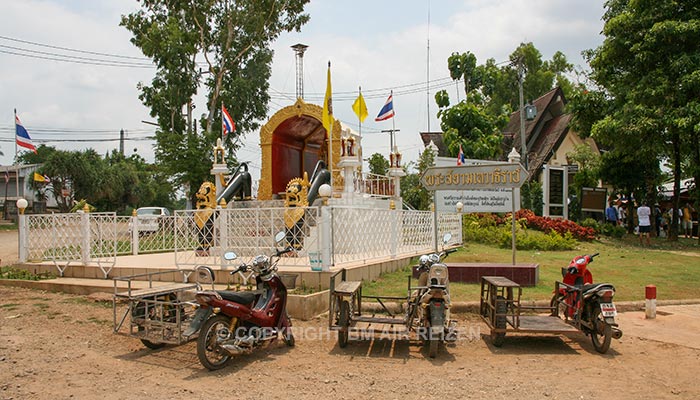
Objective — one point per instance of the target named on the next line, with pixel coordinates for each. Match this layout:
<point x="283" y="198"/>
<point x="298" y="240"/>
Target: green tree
<point x="233" y="39"/>
<point x="648" y="65"/>
<point x="587" y="176"/>
<point x="492" y="93"/>
<point x="378" y="164"/>
<point x="412" y="191"/>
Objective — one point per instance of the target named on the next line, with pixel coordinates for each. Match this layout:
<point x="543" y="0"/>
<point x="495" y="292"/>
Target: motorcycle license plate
<point x="608" y="309"/>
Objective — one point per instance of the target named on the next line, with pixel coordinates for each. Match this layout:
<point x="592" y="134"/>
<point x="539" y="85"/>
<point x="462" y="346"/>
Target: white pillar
<point x="85" y="233"/>
<point x="22" y="232"/>
<point x="325" y="238"/>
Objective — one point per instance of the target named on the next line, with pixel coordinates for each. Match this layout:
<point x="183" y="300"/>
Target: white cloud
<point x="378" y="45"/>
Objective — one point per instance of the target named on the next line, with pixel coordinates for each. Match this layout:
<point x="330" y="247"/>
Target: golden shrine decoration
<point x="296" y="200"/>
<point x="206" y="203"/>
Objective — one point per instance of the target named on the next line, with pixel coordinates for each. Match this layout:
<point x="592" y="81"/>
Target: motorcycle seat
<point x="246" y="297"/>
<point x="594" y="287"/>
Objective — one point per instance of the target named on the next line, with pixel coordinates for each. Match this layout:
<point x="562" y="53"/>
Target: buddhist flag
<point x="327" y="116"/>
<point x="39" y="177"/>
<point x="360" y="107"/>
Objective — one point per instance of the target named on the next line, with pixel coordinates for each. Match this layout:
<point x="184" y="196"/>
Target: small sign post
<point x="466" y="177"/>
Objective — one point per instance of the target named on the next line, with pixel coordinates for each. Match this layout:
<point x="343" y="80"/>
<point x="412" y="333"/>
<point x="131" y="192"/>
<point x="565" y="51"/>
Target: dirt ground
<point x="8" y="248"/>
<point x="59" y="346"/>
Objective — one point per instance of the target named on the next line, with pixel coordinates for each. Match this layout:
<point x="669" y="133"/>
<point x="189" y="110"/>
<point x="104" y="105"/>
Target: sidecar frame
<point x="156" y="312"/>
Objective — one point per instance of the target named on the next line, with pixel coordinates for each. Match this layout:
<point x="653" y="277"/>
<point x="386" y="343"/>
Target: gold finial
<point x="392" y="205"/>
<point x="133" y="212"/>
<point x="86" y="208"/>
<point x="222" y="203"/>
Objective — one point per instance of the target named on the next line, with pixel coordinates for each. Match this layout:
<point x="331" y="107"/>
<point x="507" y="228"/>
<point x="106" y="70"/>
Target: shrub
<point x="591" y="223"/>
<point x="561" y="226"/>
<point x="540" y="241"/>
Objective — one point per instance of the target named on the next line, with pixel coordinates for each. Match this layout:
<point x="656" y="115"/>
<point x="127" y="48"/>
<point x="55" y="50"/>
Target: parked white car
<point x="149" y="219"/>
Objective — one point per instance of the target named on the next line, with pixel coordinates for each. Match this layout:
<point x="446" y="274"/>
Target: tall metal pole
<point x="523" y="139"/>
<point x="14" y="162"/>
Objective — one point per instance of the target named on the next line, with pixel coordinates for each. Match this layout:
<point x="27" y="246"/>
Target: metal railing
<point x="373" y="184"/>
<point x="322" y="237"/>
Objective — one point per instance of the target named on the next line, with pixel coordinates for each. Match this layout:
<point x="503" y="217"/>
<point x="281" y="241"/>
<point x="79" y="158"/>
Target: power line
<point x="70" y="49"/>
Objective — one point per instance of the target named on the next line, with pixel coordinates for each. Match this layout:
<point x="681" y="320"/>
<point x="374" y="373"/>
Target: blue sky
<point x="378" y="45"/>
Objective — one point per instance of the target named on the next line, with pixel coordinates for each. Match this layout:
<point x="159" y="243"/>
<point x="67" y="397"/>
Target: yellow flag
<point x="327" y="116"/>
<point x="39" y="178"/>
<point x="360" y="107"/>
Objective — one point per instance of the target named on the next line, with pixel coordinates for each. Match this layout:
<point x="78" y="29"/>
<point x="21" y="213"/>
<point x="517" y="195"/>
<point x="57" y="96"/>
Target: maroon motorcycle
<point x="235" y="322"/>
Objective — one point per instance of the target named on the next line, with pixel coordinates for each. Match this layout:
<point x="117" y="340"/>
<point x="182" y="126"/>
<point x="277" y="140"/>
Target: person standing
<point x="611" y="214"/>
<point x="644" y="219"/>
<point x="687" y="220"/>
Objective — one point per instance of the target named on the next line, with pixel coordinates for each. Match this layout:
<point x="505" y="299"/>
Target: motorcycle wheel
<point x="287" y="335"/>
<point x="139" y="312"/>
<point x="602" y="332"/>
<point x="210" y="354"/>
<point x="433" y="347"/>
<point x="556" y="305"/>
<point x="344" y="322"/>
<point x="500" y="323"/>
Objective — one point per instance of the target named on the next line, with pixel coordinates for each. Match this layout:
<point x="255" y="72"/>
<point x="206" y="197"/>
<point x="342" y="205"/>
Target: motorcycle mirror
<point x="229" y="255"/>
<point x="279" y="236"/>
<point x="446" y="238"/>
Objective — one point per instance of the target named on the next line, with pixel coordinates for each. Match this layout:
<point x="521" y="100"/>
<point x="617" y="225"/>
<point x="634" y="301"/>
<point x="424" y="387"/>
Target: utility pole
<point x="391" y="137"/>
<point x="121" y="142"/>
<point x="523" y="139"/>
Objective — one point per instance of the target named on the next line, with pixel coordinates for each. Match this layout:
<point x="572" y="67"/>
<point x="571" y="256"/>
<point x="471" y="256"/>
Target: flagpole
<point x="359" y="89"/>
<point x="393" y="124"/>
<point x="14" y="162"/>
<point x="330" y="132"/>
<point x="222" y="123"/>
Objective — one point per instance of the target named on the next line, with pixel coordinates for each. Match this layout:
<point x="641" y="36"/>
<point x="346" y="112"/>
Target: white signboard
<point x="485" y="200"/>
<point x="477" y="200"/>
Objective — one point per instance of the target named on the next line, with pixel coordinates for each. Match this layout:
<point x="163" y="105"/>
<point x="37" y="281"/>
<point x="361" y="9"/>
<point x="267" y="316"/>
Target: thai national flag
<point x="227" y="121"/>
<point x="387" y="111"/>
<point x="460" y="156"/>
<point x="22" y="136"/>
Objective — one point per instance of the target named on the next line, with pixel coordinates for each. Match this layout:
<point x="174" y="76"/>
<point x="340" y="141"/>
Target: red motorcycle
<point x="587" y="305"/>
<point x="237" y="322"/>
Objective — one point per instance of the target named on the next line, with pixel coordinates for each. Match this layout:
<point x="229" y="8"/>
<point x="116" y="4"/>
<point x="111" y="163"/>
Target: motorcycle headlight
<point x="423" y="260"/>
<point x="261" y="263"/>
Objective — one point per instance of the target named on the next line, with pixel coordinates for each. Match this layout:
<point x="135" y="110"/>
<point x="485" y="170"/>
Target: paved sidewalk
<point x="673" y="324"/>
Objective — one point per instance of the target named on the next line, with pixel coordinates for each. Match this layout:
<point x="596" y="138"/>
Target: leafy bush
<point x="495" y="230"/>
<point x="615" y="231"/>
<point x="540" y="241"/>
<point x="561" y="226"/>
<point x="16" y="273"/>
<point x="591" y="223"/>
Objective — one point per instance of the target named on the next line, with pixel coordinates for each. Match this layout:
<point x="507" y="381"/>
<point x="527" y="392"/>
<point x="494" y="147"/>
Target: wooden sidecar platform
<point x="502" y="311"/>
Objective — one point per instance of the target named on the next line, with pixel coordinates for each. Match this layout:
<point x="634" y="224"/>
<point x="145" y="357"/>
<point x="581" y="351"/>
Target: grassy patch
<point x="16" y="273"/>
<point x="8" y="227"/>
<point x="85" y="301"/>
<point x="671" y="266"/>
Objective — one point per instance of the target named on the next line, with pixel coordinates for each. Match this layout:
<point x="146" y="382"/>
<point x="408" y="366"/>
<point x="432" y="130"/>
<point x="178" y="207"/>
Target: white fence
<point x="323" y="237"/>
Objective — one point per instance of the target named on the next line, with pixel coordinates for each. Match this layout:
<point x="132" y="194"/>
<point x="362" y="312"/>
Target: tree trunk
<point x="676" y="143"/>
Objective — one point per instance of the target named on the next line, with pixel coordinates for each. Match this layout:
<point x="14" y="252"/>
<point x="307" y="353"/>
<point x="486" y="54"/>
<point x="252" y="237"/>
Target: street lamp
<point x="459" y="207"/>
<point x="325" y="192"/>
<point x="22" y="205"/>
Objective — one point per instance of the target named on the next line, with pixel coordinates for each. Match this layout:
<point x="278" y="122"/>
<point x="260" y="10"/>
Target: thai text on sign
<point x="474" y="177"/>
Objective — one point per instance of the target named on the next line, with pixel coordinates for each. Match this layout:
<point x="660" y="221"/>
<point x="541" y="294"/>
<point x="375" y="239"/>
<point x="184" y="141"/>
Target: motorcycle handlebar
<point x="593" y="255"/>
<point x="284" y="251"/>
